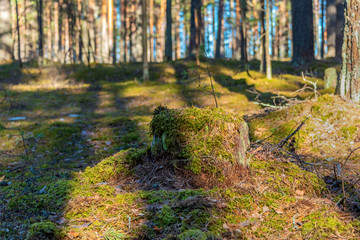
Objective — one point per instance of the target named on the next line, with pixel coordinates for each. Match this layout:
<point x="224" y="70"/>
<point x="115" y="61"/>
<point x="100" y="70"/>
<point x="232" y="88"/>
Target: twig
<point x="282" y="142"/>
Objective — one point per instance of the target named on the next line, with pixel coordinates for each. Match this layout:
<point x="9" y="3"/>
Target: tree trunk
<point x="267" y="42"/>
<point x="350" y="72"/>
<point x="331" y="27"/>
<point x="303" y="31"/>
<point x="39" y="8"/>
<point x="238" y="31"/>
<point x="177" y="32"/>
<point x="244" y="55"/>
<point x="316" y="27"/>
<point x="168" y="35"/>
<point x="340" y="21"/>
<point x="151" y="26"/>
<point x="124" y="28"/>
<point x="196" y="29"/>
<point x="282" y="29"/>
<point x="110" y="13"/>
<point x="18" y="33"/>
<point x="159" y="32"/>
<point x="56" y="30"/>
<point x="144" y="41"/>
<point x="262" y="36"/>
<point x="322" y="49"/>
<point x="218" y="53"/>
<point x="48" y="30"/>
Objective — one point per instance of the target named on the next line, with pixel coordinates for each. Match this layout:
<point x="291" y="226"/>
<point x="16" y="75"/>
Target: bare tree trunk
<point x="303" y="31"/>
<point x="238" y="31"/>
<point x="322" y="50"/>
<point x="49" y="34"/>
<point x="144" y="41"/>
<point x="124" y="28"/>
<point x="79" y="40"/>
<point x="263" y="36"/>
<point x="177" y="32"/>
<point x="282" y="29"/>
<point x="331" y="27"/>
<point x="196" y="29"/>
<point x="316" y="27"/>
<point x="349" y="79"/>
<point x="114" y="50"/>
<point x="110" y="13"/>
<point x="39" y="8"/>
<point x="218" y="53"/>
<point x="267" y="42"/>
<point x="244" y="55"/>
<point x="18" y="33"/>
<point x="340" y="21"/>
<point x="151" y="25"/>
<point x="168" y="35"/>
<point x="56" y="30"/>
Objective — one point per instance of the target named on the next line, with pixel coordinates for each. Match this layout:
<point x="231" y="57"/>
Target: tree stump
<point x="330" y="79"/>
<point x="208" y="144"/>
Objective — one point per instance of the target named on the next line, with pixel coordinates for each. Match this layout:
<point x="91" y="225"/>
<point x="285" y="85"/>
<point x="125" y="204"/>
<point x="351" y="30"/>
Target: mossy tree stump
<point x="209" y="144"/>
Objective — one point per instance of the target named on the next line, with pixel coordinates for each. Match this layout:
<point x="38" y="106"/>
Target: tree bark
<point x="39" y="8"/>
<point x="303" y="31"/>
<point x="331" y="27"/>
<point x="160" y="32"/>
<point x="322" y="49"/>
<point x="144" y="41"/>
<point x="283" y="29"/>
<point x="244" y="55"/>
<point x="263" y="36"/>
<point x="151" y="26"/>
<point x="220" y="23"/>
<point x="18" y="33"/>
<point x="168" y="35"/>
<point x="196" y="28"/>
<point x="238" y="31"/>
<point x="340" y="21"/>
<point x="350" y="72"/>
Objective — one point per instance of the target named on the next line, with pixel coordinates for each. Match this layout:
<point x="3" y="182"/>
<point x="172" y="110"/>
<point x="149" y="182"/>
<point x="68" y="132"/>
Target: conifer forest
<point x="179" y="119"/>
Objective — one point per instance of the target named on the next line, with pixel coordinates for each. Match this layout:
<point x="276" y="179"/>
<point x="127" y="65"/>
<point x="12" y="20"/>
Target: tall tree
<point x="262" y="35"/>
<point x="243" y="33"/>
<point x="220" y="29"/>
<point x="18" y="33"/>
<point x="39" y="11"/>
<point x="331" y="27"/>
<point x="124" y="28"/>
<point x="267" y="42"/>
<point x="160" y="32"/>
<point x="56" y="30"/>
<point x="238" y="31"/>
<point x="349" y="80"/>
<point x="322" y="48"/>
<point x="151" y="26"/>
<point x="144" y="41"/>
<point x="196" y="28"/>
<point x="282" y="29"/>
<point x="340" y="21"/>
<point x="168" y="35"/>
<point x="303" y="31"/>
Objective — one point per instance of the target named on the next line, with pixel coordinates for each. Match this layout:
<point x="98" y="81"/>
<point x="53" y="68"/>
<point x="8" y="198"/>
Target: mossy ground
<point x="76" y="117"/>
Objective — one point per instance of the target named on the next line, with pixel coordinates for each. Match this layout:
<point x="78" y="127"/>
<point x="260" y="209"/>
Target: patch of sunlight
<point x="46" y="86"/>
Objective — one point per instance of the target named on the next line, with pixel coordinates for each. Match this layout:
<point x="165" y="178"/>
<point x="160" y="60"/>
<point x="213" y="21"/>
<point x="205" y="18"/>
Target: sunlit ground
<point x="72" y="117"/>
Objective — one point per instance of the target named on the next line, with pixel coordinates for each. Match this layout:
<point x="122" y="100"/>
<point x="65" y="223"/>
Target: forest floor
<point x="61" y="128"/>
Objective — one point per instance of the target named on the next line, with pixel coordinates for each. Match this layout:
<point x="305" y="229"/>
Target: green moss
<point x="348" y="132"/>
<point x="197" y="135"/>
<point x="166" y="217"/>
<point x="193" y="234"/>
<point x="43" y="231"/>
<point x="113" y="166"/>
<point x="323" y="224"/>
